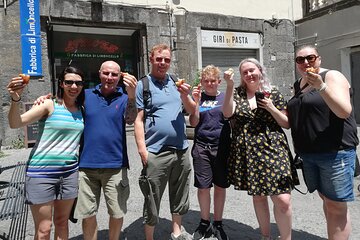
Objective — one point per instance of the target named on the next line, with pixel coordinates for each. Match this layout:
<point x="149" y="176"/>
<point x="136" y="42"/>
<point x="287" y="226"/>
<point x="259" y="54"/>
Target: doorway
<point x="88" y="47"/>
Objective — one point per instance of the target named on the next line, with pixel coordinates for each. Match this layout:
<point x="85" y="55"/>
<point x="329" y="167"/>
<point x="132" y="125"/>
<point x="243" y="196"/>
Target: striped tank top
<point x="56" y="151"/>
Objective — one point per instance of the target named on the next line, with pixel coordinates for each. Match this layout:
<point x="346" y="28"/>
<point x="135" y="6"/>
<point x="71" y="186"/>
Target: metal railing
<point x="6" y="3"/>
<point x="313" y="8"/>
<point x="318" y="4"/>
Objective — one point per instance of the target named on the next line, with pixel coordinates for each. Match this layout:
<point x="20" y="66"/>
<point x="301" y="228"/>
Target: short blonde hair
<point x="210" y="71"/>
<point x="159" y="48"/>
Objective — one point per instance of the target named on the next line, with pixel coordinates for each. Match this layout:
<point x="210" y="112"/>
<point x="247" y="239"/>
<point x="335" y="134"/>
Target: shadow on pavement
<point x="234" y="229"/>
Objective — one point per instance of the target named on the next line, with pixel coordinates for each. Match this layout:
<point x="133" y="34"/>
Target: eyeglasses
<point x="160" y="59"/>
<point x="112" y="74"/>
<point x="69" y="83"/>
<point x="310" y="58"/>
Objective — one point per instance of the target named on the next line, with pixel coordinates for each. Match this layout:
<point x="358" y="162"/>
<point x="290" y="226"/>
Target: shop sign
<point x="220" y="39"/>
<point x="31" y="130"/>
<point x="30" y="37"/>
<point x="90" y="44"/>
<point x="87" y="55"/>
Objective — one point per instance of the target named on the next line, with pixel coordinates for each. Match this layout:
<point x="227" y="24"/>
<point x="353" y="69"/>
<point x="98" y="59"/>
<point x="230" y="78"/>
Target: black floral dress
<point x="260" y="158"/>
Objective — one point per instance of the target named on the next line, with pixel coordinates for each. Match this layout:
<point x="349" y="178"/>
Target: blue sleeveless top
<point x="55" y="153"/>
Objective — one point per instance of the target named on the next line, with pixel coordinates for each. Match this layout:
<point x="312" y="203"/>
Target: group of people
<point x="239" y="141"/>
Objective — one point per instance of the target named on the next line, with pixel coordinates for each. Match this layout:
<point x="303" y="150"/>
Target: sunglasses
<point x="310" y="58"/>
<point x="112" y="74"/>
<point x="160" y="59"/>
<point x="69" y="83"/>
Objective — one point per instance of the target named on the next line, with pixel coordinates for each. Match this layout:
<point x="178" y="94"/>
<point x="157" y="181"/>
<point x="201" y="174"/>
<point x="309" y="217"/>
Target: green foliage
<point x="18" y="143"/>
<point x="197" y="78"/>
<point x="2" y="154"/>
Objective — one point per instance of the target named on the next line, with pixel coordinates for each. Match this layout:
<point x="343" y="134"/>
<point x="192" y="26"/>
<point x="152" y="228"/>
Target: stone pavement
<point x="239" y="217"/>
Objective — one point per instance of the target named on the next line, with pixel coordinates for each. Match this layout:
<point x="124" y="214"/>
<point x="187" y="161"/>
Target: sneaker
<point x="219" y="232"/>
<point x="183" y="236"/>
<point x="204" y="230"/>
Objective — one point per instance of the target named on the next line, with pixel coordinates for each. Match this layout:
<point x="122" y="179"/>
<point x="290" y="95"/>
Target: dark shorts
<point x="43" y="190"/>
<point x="210" y="166"/>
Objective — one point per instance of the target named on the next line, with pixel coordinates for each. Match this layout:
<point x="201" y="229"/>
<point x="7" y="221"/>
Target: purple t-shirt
<point x="212" y="121"/>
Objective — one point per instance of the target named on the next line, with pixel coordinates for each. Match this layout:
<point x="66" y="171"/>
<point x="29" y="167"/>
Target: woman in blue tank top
<point x="51" y="183"/>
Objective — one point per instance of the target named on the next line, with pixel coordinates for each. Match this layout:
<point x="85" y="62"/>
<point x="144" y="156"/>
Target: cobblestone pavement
<point x="239" y="218"/>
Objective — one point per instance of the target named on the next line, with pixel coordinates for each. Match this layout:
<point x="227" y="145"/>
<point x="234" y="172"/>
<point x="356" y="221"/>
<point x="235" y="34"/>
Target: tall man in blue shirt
<point x="104" y="161"/>
<point x="162" y="142"/>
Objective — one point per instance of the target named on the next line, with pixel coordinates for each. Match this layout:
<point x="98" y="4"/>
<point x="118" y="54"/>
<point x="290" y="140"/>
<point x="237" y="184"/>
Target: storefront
<point x="98" y="31"/>
<point x="88" y="47"/>
<point x="226" y="49"/>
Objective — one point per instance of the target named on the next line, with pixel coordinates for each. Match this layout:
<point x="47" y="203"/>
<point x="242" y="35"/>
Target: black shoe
<point x="204" y="230"/>
<point x="219" y="232"/>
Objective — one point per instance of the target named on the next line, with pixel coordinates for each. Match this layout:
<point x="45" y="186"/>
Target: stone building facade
<point x="71" y="30"/>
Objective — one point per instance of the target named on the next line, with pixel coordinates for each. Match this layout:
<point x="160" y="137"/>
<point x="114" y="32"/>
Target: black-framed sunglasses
<point x="310" y="58"/>
<point x="160" y="59"/>
<point x="69" y="83"/>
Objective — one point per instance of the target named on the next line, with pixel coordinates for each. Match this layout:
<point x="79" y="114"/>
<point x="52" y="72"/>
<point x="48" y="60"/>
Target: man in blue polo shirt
<point x="162" y="142"/>
<point x="104" y="160"/>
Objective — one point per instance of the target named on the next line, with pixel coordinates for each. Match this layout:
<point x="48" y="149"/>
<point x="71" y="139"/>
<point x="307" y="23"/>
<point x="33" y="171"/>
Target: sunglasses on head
<point x="112" y="74"/>
<point x="71" y="82"/>
<point x="310" y="58"/>
<point x="160" y="59"/>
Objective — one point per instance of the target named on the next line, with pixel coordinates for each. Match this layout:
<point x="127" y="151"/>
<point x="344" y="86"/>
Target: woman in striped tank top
<point x="52" y="169"/>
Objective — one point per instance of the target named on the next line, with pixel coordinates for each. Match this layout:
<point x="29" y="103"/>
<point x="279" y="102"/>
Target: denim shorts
<point x="332" y="174"/>
<point x="43" y="190"/>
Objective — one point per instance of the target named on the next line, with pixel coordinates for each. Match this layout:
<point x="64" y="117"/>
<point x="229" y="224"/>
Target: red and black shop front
<point x="88" y="47"/>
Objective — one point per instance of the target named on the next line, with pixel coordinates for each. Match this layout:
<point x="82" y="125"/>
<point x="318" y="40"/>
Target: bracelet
<point x="323" y="86"/>
<point x="16" y="100"/>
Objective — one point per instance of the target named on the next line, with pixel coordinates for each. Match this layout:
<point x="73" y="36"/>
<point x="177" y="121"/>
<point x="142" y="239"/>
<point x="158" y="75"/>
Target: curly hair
<point x="210" y="71"/>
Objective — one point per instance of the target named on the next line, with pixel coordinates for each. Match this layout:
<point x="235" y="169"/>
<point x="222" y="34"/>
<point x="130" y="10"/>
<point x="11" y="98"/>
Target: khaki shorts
<point x="114" y="183"/>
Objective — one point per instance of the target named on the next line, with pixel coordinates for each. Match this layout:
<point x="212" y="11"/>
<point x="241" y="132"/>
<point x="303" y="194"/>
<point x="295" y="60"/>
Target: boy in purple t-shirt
<point x="211" y="145"/>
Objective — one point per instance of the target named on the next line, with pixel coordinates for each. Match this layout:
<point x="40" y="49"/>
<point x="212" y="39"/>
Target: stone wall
<point x="10" y="62"/>
<point x="278" y="48"/>
<point x="156" y="26"/>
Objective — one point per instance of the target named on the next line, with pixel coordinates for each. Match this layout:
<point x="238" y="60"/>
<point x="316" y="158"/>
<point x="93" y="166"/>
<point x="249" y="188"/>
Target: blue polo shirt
<point x="165" y="123"/>
<point x="104" y="132"/>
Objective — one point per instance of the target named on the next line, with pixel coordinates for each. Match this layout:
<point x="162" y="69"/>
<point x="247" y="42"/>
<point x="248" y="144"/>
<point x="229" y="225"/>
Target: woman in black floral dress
<point x="259" y="159"/>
